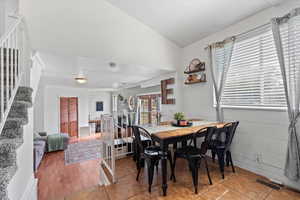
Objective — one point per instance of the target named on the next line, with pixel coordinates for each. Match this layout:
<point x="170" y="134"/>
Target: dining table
<point x="168" y="134"/>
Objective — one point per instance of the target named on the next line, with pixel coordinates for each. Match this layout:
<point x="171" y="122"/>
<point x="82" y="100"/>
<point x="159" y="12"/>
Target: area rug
<point x="83" y="151"/>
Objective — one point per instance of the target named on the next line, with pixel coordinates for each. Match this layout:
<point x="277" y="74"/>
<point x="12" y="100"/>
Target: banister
<point x="15" y="52"/>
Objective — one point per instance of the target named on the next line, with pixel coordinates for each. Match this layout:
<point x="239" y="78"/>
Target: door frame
<point x="58" y="102"/>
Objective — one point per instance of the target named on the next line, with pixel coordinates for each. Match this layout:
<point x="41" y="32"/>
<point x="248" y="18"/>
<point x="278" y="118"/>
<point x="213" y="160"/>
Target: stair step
<point x="6" y="175"/>
<point x="18" y="112"/>
<point x="8" y="154"/>
<point x="12" y="129"/>
<point x="24" y="95"/>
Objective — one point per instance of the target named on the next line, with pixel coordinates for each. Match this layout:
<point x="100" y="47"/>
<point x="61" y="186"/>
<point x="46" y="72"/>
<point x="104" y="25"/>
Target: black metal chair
<point x="151" y="154"/>
<point x="220" y="146"/>
<point x="194" y="155"/>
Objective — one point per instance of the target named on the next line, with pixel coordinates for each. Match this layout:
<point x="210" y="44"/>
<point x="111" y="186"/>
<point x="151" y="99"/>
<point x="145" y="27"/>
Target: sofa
<point x="39" y="148"/>
<point x="48" y="143"/>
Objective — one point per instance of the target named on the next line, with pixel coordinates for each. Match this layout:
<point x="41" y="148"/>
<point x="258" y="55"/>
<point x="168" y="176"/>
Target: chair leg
<point x="138" y="165"/>
<point x="150" y="166"/>
<point x="175" y="146"/>
<point x="173" y="168"/>
<point x="227" y="159"/>
<point x="213" y="155"/>
<point x="230" y="159"/>
<point x="207" y="170"/>
<point x="194" y="168"/>
<point x="220" y="154"/>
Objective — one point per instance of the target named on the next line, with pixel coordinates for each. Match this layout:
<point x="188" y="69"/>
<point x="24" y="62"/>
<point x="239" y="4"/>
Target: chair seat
<point x="188" y="152"/>
<point x="154" y="151"/>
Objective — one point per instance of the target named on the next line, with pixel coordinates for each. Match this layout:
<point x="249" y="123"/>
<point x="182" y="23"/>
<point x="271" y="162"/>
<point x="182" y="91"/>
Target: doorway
<point x="69" y="116"/>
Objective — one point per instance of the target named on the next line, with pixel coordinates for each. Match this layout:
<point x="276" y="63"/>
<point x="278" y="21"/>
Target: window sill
<point x="254" y="108"/>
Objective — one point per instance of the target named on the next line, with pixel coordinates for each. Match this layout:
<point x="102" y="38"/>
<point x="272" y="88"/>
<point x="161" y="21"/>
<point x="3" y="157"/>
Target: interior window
<point x="150" y="108"/>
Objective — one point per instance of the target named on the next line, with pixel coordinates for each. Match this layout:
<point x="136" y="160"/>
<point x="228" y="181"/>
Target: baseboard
<point x="31" y="190"/>
<point x="272" y="173"/>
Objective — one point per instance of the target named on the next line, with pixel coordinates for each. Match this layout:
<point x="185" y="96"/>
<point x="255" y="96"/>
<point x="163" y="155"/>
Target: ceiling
<point x="143" y="37"/>
<point x="61" y="70"/>
<point x="187" y="21"/>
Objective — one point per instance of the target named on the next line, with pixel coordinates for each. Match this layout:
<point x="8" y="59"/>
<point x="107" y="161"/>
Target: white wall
<point x="38" y="109"/>
<point x="95" y="96"/>
<point x="22" y="180"/>
<point x="109" y="33"/>
<point x="51" y="105"/>
<point x="261" y="133"/>
<point x="7" y="7"/>
<point x="2" y="16"/>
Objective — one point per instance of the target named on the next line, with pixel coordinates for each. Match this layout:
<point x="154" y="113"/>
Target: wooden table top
<point x="185" y="130"/>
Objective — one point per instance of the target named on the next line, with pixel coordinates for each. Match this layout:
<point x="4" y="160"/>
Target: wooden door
<point x="64" y="115"/>
<point x="73" y="116"/>
<point x="69" y="116"/>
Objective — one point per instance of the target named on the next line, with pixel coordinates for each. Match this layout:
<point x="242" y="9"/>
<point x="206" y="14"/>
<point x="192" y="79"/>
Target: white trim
<point x="37" y="57"/>
<point x="103" y="180"/>
<point x="282" y="109"/>
<point x="31" y="190"/>
<point x="84" y="88"/>
<point x="149" y="93"/>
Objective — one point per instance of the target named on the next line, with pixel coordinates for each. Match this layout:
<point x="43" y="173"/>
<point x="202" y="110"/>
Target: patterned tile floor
<point x="79" y="182"/>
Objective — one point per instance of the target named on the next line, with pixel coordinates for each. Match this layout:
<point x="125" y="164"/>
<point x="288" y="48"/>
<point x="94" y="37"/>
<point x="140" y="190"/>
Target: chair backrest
<point x="224" y="135"/>
<point x="210" y="132"/>
<point x="209" y="135"/>
<point x="140" y="134"/>
<point x="231" y="129"/>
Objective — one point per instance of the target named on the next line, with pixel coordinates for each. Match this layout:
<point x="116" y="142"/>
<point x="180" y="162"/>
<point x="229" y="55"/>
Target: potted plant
<point x="179" y="116"/>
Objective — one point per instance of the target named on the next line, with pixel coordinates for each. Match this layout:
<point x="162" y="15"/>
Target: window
<point x="150" y="108"/>
<point x="254" y="77"/>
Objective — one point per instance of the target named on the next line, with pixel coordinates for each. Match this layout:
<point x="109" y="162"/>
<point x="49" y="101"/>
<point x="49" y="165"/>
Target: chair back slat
<point x="230" y="134"/>
<point x="140" y="134"/>
<point x="224" y="135"/>
<point x="210" y="133"/>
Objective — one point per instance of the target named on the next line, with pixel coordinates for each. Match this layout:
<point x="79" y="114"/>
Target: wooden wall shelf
<point x="194" y="71"/>
<point x="194" y="82"/>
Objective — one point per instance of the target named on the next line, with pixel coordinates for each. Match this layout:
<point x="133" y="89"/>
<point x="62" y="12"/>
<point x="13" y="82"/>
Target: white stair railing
<point x="108" y="156"/>
<point x="117" y="142"/>
<point x="14" y="57"/>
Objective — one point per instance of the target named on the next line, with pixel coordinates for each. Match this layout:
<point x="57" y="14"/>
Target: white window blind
<point x="254" y="77"/>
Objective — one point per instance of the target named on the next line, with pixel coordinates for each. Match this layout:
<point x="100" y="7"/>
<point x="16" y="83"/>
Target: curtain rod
<point x="239" y="35"/>
<point x="292" y="13"/>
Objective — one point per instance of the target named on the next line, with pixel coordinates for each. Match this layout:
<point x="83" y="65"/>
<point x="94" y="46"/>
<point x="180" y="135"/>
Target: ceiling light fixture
<point x="81" y="79"/>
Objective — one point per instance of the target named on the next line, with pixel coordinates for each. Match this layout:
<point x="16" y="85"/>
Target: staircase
<point x="12" y="137"/>
<point x="14" y="100"/>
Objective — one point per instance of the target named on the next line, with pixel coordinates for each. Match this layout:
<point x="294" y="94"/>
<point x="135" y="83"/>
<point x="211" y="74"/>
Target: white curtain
<point x="219" y="61"/>
<point x="286" y="32"/>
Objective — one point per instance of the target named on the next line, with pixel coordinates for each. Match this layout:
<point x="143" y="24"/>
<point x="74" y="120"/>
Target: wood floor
<point x="79" y="182"/>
